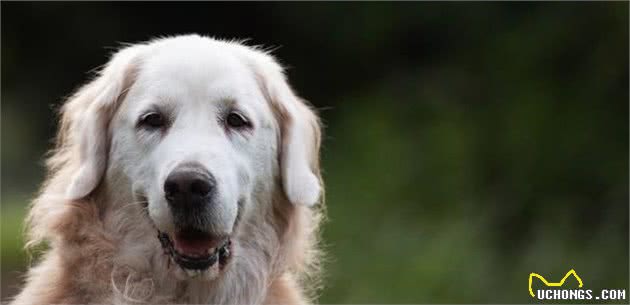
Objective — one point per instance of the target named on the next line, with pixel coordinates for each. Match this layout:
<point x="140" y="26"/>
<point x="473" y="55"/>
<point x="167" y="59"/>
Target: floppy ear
<point x="299" y="154"/>
<point x="89" y="112"/>
<point x="300" y="132"/>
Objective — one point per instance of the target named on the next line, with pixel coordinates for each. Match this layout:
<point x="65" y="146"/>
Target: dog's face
<point x="194" y="137"/>
<point x="199" y="132"/>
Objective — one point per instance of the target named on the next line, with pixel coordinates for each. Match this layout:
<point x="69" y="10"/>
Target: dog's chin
<point x="195" y="254"/>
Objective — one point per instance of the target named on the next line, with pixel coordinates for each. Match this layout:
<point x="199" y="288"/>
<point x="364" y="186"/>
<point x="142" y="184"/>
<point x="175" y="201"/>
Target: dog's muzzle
<point x="190" y="191"/>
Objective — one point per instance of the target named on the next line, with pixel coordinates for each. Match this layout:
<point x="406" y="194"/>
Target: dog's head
<point x="200" y="131"/>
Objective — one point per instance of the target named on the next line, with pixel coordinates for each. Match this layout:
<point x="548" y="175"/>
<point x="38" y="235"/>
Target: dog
<point x="186" y="172"/>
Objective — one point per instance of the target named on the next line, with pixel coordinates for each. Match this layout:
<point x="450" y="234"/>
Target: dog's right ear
<point x="89" y="111"/>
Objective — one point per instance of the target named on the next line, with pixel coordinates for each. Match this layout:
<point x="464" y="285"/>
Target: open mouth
<point x="196" y="251"/>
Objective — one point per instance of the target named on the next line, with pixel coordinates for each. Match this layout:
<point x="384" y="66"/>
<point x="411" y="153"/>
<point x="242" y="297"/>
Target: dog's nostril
<point x="170" y="188"/>
<point x="200" y="187"/>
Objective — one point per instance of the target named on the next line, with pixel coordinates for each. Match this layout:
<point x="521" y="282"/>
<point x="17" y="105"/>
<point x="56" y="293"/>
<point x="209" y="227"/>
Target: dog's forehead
<point x="198" y="70"/>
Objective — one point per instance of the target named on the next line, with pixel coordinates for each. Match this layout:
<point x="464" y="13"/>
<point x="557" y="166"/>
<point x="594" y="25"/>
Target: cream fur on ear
<point x="93" y="106"/>
<point x="299" y="164"/>
<point x="300" y="128"/>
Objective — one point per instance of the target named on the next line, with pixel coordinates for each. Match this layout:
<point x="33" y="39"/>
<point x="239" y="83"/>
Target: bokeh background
<point x="467" y="144"/>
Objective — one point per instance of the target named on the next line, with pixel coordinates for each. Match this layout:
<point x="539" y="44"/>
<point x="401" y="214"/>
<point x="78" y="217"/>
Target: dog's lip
<point x="195" y="243"/>
<point x="195" y="251"/>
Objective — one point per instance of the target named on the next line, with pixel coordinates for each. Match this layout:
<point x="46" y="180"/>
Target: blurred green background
<point x="467" y="144"/>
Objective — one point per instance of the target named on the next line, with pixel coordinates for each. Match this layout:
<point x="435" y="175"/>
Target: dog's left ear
<point x="88" y="114"/>
<point x="300" y="131"/>
<point x="299" y="154"/>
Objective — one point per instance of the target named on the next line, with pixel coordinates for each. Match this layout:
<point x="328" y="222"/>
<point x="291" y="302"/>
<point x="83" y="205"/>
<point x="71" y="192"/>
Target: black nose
<point x="188" y="185"/>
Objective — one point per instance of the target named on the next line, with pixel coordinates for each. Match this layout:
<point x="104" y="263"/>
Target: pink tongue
<point x="192" y="245"/>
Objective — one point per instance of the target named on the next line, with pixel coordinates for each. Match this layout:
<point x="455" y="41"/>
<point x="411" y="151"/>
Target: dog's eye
<point x="152" y="120"/>
<point x="237" y="120"/>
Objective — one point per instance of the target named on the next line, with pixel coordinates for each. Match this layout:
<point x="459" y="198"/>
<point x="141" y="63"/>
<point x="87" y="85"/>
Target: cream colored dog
<point x="186" y="172"/>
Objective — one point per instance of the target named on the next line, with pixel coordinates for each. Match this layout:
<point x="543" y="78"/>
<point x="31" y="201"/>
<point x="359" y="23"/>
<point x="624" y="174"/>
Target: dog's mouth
<point x="196" y="251"/>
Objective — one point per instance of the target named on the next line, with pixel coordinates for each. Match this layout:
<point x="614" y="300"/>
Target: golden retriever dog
<point x="185" y="172"/>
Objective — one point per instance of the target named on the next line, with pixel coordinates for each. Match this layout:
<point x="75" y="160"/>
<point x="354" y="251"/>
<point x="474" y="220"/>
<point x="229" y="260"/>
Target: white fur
<point x="180" y="77"/>
<point x="106" y="161"/>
